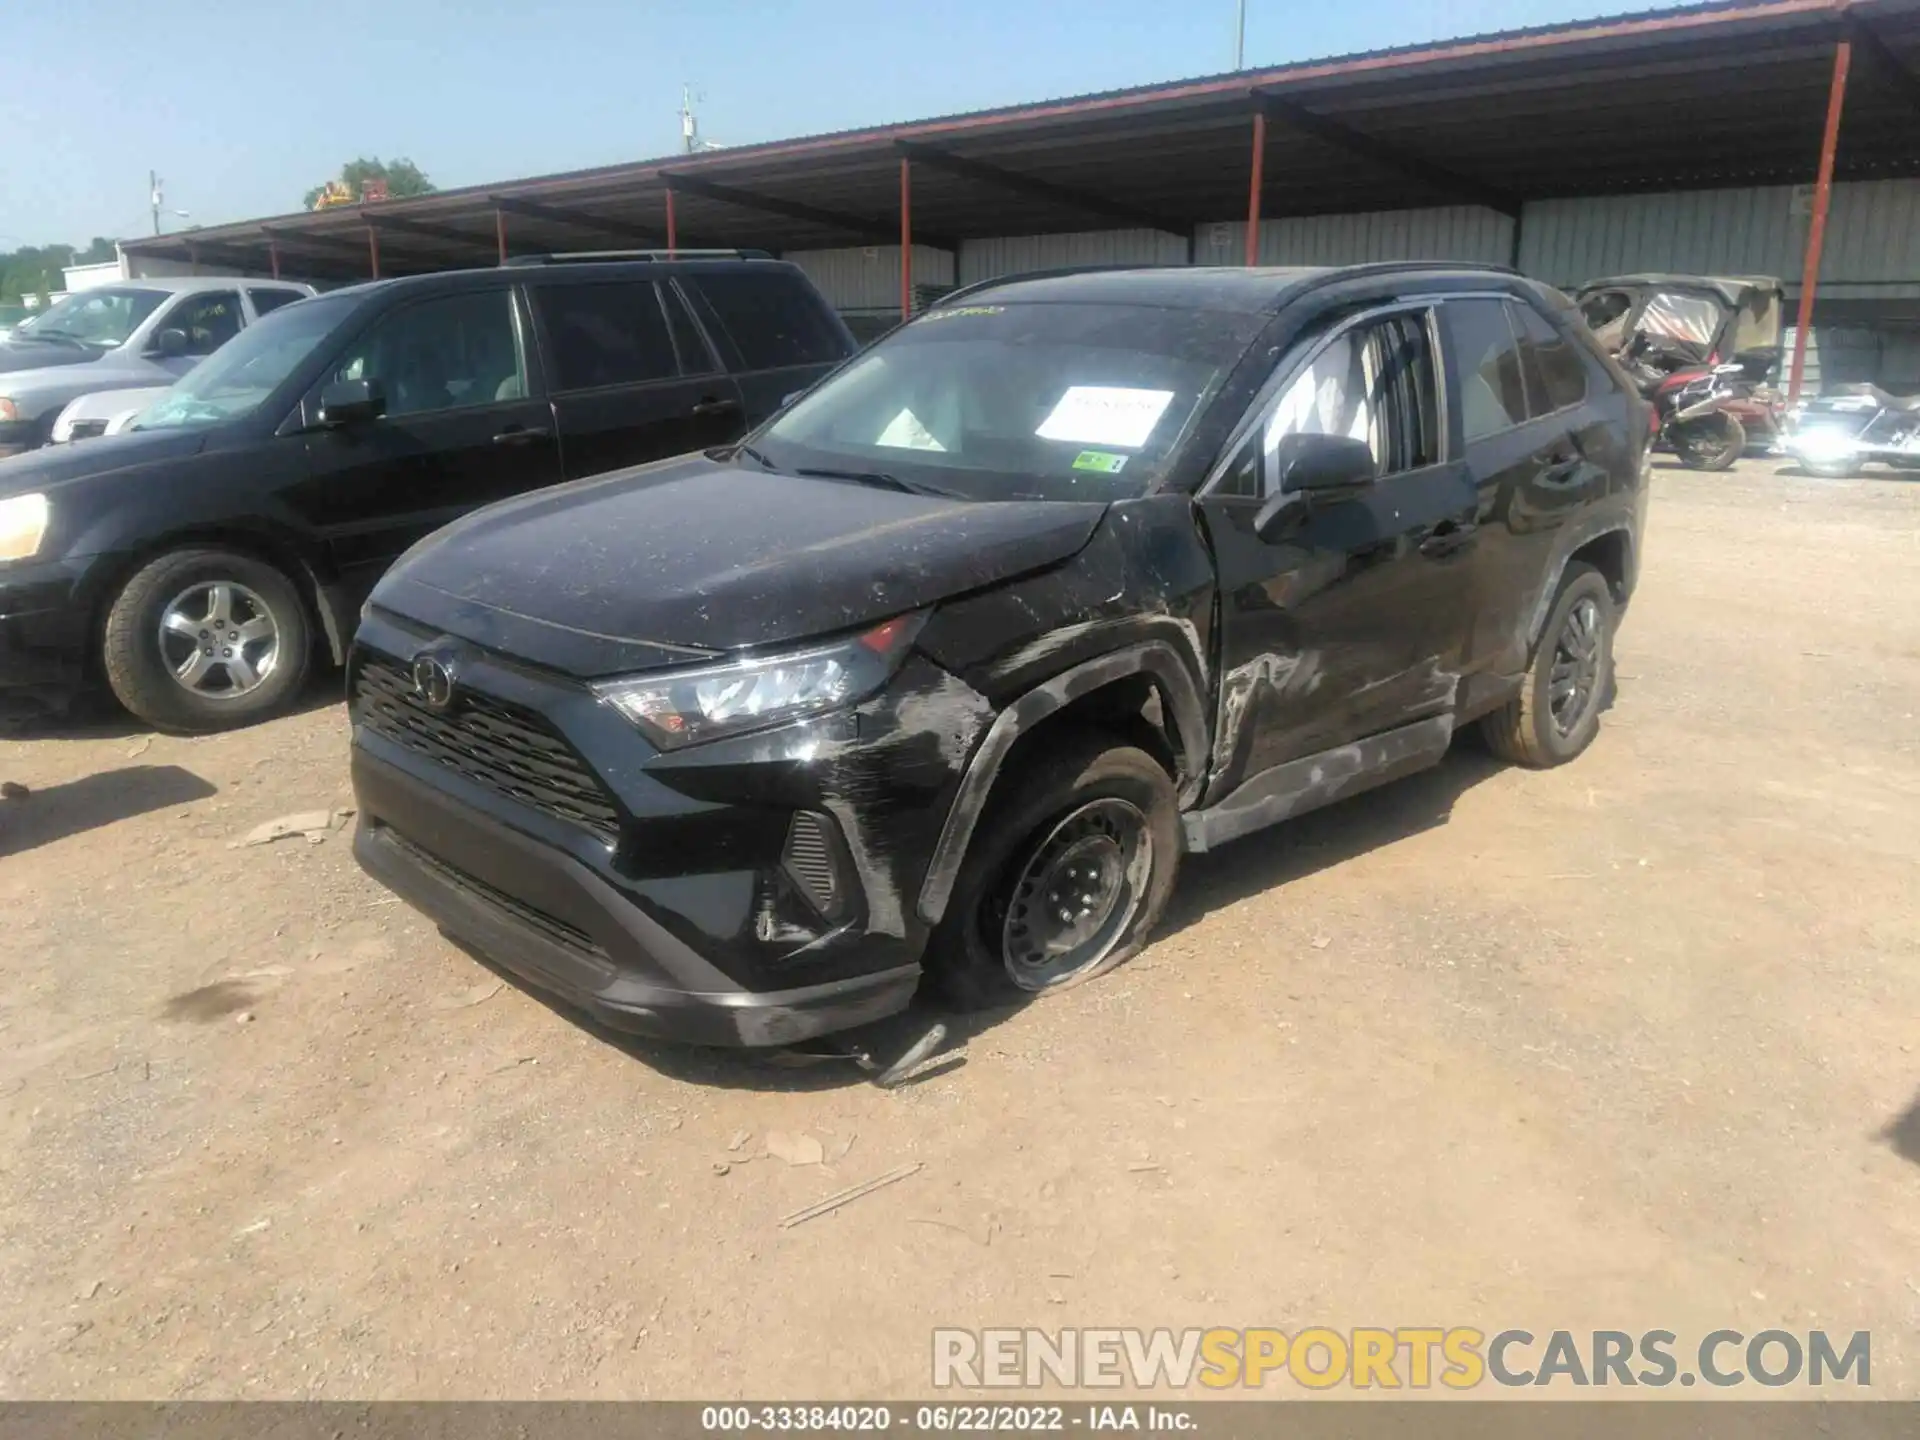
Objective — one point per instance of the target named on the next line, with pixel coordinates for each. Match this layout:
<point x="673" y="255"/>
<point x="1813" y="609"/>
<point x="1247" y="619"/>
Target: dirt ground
<point x="1630" y="1044"/>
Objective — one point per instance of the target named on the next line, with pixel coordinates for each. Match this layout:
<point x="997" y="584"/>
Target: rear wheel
<point x="1840" y="468"/>
<point x="1557" y="712"/>
<point x="1069" y="871"/>
<point x="202" y="640"/>
<point x="1713" y="442"/>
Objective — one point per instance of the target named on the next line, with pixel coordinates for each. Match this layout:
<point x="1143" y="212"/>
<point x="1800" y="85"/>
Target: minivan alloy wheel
<point x="219" y="639"/>
<point x="1076" y="893"/>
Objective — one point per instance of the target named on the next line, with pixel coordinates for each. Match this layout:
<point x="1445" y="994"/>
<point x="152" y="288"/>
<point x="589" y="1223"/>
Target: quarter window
<point x="614" y="334"/>
<point x="772" y="318"/>
<point x="1374" y="382"/>
<point x="443" y="354"/>
<point x="1555" y="377"/>
<point x="1493" y="397"/>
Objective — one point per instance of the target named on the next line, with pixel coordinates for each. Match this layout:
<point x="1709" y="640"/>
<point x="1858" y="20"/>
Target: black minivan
<point x="201" y="558"/>
<point x="940" y="671"/>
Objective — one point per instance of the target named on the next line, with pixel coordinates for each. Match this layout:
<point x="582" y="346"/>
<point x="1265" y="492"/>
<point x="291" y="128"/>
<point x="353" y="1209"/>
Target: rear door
<point x="1354" y="624"/>
<point x="1537" y="452"/>
<point x="776" y="333"/>
<point x="633" y="380"/>
<point x="464" y="426"/>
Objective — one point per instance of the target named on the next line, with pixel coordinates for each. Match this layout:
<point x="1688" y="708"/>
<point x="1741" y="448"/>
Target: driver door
<point x="1357" y="622"/>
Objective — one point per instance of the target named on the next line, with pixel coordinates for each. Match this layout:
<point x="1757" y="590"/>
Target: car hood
<point x="56" y="465"/>
<point x="654" y="566"/>
<point x="43" y="355"/>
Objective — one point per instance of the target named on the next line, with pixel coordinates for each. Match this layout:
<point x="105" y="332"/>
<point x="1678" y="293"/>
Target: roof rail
<point x="977" y="286"/>
<point x="595" y="257"/>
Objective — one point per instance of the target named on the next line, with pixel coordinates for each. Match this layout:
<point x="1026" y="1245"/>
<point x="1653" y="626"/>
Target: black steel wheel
<point x="1712" y="442"/>
<point x="1557" y="712"/>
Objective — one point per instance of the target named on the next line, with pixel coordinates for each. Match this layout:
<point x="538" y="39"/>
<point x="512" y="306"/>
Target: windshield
<point x="94" y="317"/>
<point x="237" y="378"/>
<point x="1017" y="402"/>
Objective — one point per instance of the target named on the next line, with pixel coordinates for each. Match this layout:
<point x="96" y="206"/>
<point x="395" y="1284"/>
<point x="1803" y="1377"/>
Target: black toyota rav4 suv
<point x="940" y="671"/>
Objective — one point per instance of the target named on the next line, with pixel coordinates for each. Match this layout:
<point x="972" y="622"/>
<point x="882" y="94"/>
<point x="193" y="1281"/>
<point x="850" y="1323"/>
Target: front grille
<point x="551" y="926"/>
<point x="511" y="751"/>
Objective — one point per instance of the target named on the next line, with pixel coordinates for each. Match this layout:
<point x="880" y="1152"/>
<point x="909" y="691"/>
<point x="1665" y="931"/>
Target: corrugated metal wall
<point x="1872" y="249"/>
<point x="868" y="277"/>
<point x="1020" y="254"/>
<point x="1450" y="232"/>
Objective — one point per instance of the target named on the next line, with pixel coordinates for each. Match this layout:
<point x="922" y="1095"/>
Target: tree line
<point x="35" y="269"/>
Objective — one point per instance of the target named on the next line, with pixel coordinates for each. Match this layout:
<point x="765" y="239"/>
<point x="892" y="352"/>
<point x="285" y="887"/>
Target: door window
<point x="1373" y="382"/>
<point x="606" y="334"/>
<point x="265" y="302"/>
<point x="208" y="320"/>
<point x="696" y="358"/>
<point x="445" y="354"/>
<point x="1555" y="377"/>
<point x="1493" y="397"/>
<point x="773" y="318"/>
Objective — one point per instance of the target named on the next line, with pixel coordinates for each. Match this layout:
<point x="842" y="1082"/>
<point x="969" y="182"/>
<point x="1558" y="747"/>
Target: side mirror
<point x="1312" y="467"/>
<point x="352" y="402"/>
<point x="170" y="344"/>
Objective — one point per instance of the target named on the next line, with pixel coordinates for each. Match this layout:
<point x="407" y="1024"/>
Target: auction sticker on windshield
<point x="1104" y="461"/>
<point x="1105" y="415"/>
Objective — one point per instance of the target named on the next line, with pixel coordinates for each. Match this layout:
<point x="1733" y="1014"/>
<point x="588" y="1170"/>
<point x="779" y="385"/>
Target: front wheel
<point x="1557" y="712"/>
<point x="1069" y="871"/>
<point x="202" y="640"/>
<point x="1713" y="442"/>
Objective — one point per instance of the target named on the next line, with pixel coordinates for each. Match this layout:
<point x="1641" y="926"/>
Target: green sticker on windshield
<point x="1105" y="461"/>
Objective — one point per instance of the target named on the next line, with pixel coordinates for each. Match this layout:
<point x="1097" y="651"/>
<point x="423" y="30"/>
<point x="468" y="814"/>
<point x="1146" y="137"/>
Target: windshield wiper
<point x="62" y="335"/>
<point x="879" y="480"/>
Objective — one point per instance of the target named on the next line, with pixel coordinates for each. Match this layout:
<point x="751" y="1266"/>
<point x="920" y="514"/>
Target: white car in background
<point x="105" y="413"/>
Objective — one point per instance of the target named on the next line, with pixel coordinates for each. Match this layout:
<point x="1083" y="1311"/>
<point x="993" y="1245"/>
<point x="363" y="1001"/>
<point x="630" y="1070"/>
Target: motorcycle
<point x="1709" y="418"/>
<point x="1853" y="426"/>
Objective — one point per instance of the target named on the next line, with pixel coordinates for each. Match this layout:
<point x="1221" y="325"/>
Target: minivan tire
<point x="1085" y="796"/>
<point x="1526" y="730"/>
<point x="140" y="672"/>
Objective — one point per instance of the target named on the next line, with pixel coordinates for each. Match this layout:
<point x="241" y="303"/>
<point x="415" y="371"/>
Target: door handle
<point x="1449" y="537"/>
<point x="714" y="405"/>
<point x="521" y="434"/>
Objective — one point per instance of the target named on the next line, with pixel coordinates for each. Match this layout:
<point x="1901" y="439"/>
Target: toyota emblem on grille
<point x="433" y="681"/>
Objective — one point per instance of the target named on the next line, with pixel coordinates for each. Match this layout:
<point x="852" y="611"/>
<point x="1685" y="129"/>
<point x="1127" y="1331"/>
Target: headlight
<point x="8" y="410"/>
<point x="23" y="525"/>
<point x="684" y="707"/>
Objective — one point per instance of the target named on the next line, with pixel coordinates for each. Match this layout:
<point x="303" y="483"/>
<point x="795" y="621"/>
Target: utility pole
<point x="153" y="194"/>
<point x="689" y="126"/>
<point x="1240" y="39"/>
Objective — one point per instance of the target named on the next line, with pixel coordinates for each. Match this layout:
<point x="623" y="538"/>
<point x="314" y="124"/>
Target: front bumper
<point x="552" y="922"/>
<point x="45" y="610"/>
<point x="19" y="436"/>
<point x="665" y="894"/>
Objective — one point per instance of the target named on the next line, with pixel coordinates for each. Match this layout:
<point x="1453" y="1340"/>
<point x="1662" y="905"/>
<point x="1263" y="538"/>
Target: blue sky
<point x="242" y="105"/>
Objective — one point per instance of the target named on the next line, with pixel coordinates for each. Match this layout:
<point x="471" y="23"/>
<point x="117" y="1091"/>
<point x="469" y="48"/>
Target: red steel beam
<point x="906" y="239"/>
<point x="673" y="225"/>
<point x="273" y="256"/>
<point x="1817" y="230"/>
<point x="1253" y="185"/>
<point x="500" y="232"/>
<point x="373" y="250"/>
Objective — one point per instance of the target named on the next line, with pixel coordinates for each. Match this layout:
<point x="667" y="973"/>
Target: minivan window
<point x="1034" y="401"/>
<point x="265" y="302"/>
<point x="606" y="334"/>
<point x="1554" y="375"/>
<point x="442" y="354"/>
<point x="94" y="317"/>
<point x="239" y="377"/>
<point x="772" y="317"/>
<point x="1492" y="395"/>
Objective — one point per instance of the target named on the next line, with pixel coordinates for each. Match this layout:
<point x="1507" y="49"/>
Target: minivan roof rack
<point x="593" y="257"/>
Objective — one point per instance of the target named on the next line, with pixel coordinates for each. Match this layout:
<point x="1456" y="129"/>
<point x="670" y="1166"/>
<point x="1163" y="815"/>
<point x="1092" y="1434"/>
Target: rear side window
<point x="772" y="317"/>
<point x="265" y="302"/>
<point x="1493" y="397"/>
<point x="1555" y="377"/>
<point x="606" y="334"/>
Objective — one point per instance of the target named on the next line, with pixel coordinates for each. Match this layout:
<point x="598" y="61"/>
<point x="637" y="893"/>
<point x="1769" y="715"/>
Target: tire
<point x="1712" y="442"/>
<point x="1077" y="788"/>
<point x="141" y="664"/>
<point x="1527" y="730"/>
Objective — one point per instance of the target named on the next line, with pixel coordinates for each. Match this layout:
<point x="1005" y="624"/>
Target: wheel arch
<point x="322" y="599"/>
<point x="1145" y="691"/>
<point x="1610" y="550"/>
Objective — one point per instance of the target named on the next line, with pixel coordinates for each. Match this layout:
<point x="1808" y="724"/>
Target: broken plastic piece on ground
<point x="915" y="1055"/>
